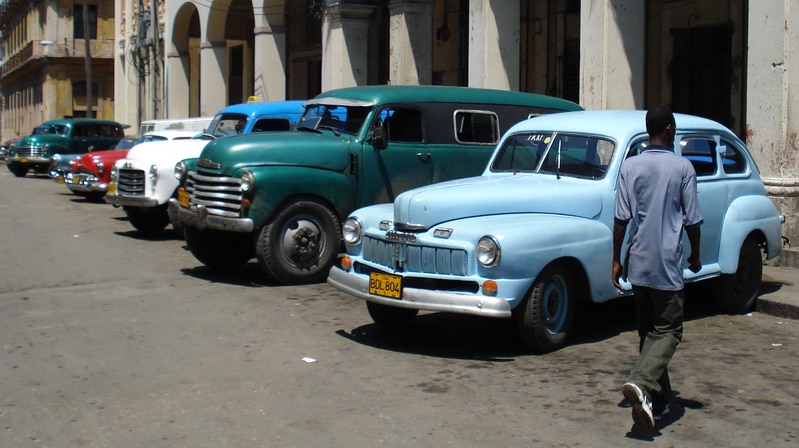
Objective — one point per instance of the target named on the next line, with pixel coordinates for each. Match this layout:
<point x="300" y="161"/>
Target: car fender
<point x="277" y="185"/>
<point x="760" y="215"/>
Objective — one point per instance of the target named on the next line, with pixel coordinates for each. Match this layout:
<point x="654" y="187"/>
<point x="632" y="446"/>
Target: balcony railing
<point x="66" y="48"/>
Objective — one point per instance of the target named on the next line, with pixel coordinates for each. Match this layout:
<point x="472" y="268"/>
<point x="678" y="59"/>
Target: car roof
<point x="621" y="124"/>
<point x="275" y="107"/>
<point x="78" y="121"/>
<point x="372" y="95"/>
<point x="171" y="134"/>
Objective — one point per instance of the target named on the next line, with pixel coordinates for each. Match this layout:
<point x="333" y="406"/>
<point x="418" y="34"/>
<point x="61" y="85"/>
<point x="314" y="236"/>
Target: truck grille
<point x="221" y="195"/>
<point x="424" y="259"/>
<point x="131" y="183"/>
<point x="28" y="151"/>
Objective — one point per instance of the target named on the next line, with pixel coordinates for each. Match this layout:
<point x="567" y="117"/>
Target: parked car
<point x="90" y="174"/>
<point x="144" y="180"/>
<point x="281" y="197"/>
<point x="532" y="237"/>
<point x="69" y="136"/>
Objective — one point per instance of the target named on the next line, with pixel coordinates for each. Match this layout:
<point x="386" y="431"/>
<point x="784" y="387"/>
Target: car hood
<point x="107" y="157"/>
<point x="289" y="148"/>
<point x="490" y="195"/>
<point x="40" y="140"/>
<point x="166" y="151"/>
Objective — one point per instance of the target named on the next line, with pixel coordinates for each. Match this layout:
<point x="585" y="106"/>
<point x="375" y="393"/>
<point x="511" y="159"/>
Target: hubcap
<point x="302" y="242"/>
<point x="556" y="304"/>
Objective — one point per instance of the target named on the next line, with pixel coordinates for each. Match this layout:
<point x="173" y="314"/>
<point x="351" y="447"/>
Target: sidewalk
<point x="779" y="292"/>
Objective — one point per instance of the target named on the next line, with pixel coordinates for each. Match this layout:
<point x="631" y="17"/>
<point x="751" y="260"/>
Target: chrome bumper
<point x="131" y="201"/>
<point x="198" y="217"/>
<point x="30" y="160"/>
<point x="422" y="299"/>
<point x="83" y="185"/>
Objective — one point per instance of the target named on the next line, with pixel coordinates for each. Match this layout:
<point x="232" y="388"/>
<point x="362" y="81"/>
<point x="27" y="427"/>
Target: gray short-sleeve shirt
<point x="657" y="196"/>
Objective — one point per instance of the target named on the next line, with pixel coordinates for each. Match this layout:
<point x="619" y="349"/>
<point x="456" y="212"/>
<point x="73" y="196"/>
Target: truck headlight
<point x="180" y="171"/>
<point x="247" y="182"/>
<point x="352" y="231"/>
<point x="488" y="251"/>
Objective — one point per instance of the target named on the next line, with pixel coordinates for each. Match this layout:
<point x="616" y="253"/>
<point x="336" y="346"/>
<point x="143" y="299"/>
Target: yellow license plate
<point x="183" y="198"/>
<point x="23" y="160"/>
<point x="112" y="188"/>
<point x="385" y="285"/>
<point x="75" y="180"/>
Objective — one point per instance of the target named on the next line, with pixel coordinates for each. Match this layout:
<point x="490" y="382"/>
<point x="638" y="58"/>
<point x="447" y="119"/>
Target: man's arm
<point x="694" y="236"/>
<point x="619" y="229"/>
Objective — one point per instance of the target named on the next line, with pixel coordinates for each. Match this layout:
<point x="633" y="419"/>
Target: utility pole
<point x="87" y="57"/>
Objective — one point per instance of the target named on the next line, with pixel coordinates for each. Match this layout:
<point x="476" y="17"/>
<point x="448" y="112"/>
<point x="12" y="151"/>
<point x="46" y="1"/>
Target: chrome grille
<point x="28" y="151"/>
<point x="424" y="259"/>
<point x="221" y="195"/>
<point x="131" y="182"/>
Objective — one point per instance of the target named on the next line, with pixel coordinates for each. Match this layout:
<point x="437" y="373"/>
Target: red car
<point x="89" y="174"/>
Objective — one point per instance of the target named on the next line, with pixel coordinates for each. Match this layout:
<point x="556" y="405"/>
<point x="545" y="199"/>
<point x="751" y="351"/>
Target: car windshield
<point x="556" y="153"/>
<point x="339" y="119"/>
<point x="127" y="143"/>
<point x="226" y="124"/>
<point x="51" y="129"/>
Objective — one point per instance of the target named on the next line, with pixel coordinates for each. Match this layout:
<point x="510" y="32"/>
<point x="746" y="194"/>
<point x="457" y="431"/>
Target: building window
<point x="77" y="20"/>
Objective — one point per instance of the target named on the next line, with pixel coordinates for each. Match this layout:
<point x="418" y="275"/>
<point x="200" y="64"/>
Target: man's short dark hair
<point x="657" y="118"/>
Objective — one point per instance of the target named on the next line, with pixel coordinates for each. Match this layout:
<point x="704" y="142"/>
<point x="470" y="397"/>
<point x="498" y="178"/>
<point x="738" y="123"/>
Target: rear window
<point x="476" y="127"/>
<point x="271" y="124"/>
<point x="701" y="152"/>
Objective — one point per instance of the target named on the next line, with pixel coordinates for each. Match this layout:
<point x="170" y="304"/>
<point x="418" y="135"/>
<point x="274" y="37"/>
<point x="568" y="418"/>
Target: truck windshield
<point x="339" y="119"/>
<point x="50" y="129"/>
<point x="227" y="124"/>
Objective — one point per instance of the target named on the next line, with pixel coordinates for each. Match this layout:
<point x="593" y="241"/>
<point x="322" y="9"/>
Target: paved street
<point x="109" y="340"/>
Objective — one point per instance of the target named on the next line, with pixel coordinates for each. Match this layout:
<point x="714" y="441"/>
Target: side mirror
<point x="379" y="137"/>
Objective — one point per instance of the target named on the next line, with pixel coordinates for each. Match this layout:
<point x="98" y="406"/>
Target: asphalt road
<point x="112" y="340"/>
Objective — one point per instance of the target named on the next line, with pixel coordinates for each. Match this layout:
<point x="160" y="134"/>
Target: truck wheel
<point x="18" y="169"/>
<point x="148" y="220"/>
<point x="736" y="293"/>
<point x="390" y="317"/>
<point x="300" y="244"/>
<point x="544" y="317"/>
<point x="224" y="251"/>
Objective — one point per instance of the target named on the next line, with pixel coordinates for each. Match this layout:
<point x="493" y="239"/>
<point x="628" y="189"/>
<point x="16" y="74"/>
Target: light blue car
<point x="531" y="238"/>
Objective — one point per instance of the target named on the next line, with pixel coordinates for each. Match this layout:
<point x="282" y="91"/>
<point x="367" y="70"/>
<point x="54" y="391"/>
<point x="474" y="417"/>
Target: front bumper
<point x="29" y="160"/>
<point x="131" y="201"/>
<point x="422" y="299"/>
<point x="198" y="217"/>
<point x="83" y="183"/>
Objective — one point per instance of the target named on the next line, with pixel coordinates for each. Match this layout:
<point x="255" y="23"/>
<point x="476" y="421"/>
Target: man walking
<point x="656" y="196"/>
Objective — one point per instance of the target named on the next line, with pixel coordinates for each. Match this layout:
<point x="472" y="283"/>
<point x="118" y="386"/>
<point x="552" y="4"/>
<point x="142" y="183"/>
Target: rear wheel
<point x="736" y="293"/>
<point x="18" y="169"/>
<point x="219" y="250"/>
<point x="391" y="317"/>
<point x="148" y="220"/>
<point x="544" y="317"/>
<point x="300" y="244"/>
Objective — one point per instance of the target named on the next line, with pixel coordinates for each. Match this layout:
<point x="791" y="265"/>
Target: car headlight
<point x="180" y="171"/>
<point x="488" y="251"/>
<point x="352" y="231"/>
<point x="247" y="182"/>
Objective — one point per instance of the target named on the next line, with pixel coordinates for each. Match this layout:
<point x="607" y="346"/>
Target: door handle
<point x="424" y="156"/>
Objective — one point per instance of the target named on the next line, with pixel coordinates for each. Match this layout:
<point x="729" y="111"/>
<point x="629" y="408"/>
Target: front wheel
<point x="18" y="169"/>
<point x="737" y="292"/>
<point x="300" y="244"/>
<point x="224" y="251"/>
<point x="544" y="317"/>
<point x="148" y="220"/>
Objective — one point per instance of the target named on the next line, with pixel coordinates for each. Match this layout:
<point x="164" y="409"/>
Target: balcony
<point x="34" y="51"/>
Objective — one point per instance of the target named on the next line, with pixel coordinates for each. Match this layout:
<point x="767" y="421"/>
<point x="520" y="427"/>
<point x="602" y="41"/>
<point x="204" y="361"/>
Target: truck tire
<point x="18" y="169"/>
<point x="223" y="251"/>
<point x="148" y="220"/>
<point x="300" y="244"/>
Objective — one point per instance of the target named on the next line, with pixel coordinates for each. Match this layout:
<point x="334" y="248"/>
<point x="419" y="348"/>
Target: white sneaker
<point x="642" y="407"/>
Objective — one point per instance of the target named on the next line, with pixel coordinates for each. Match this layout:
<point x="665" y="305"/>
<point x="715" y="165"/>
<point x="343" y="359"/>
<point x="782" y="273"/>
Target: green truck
<point x="282" y="197"/>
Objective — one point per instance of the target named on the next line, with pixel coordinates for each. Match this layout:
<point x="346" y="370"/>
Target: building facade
<point x="45" y="72"/>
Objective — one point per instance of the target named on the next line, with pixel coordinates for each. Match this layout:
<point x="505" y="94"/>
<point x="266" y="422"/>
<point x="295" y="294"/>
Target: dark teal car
<point x="68" y="136"/>
<point x="281" y="197"/>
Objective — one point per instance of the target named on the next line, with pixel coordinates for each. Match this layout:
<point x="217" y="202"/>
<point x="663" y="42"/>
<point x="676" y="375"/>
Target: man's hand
<point x="616" y="274"/>
<point x="694" y="264"/>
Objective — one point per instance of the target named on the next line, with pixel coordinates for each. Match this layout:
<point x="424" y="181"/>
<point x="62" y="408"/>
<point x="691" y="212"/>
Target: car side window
<point x="475" y="126"/>
<point x="404" y="125"/>
<point x="271" y="124"/>
<point x="701" y="152"/>
<point x="732" y="160"/>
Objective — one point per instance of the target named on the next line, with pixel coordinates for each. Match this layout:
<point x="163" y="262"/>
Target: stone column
<point x="411" y="42"/>
<point x="177" y="85"/>
<point x="213" y="91"/>
<point x="270" y="63"/>
<point x="345" y="44"/>
<point x="494" y="28"/>
<point x="612" y="54"/>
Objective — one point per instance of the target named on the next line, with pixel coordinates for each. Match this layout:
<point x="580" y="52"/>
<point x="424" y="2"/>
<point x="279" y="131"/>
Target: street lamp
<point x="88" y="66"/>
